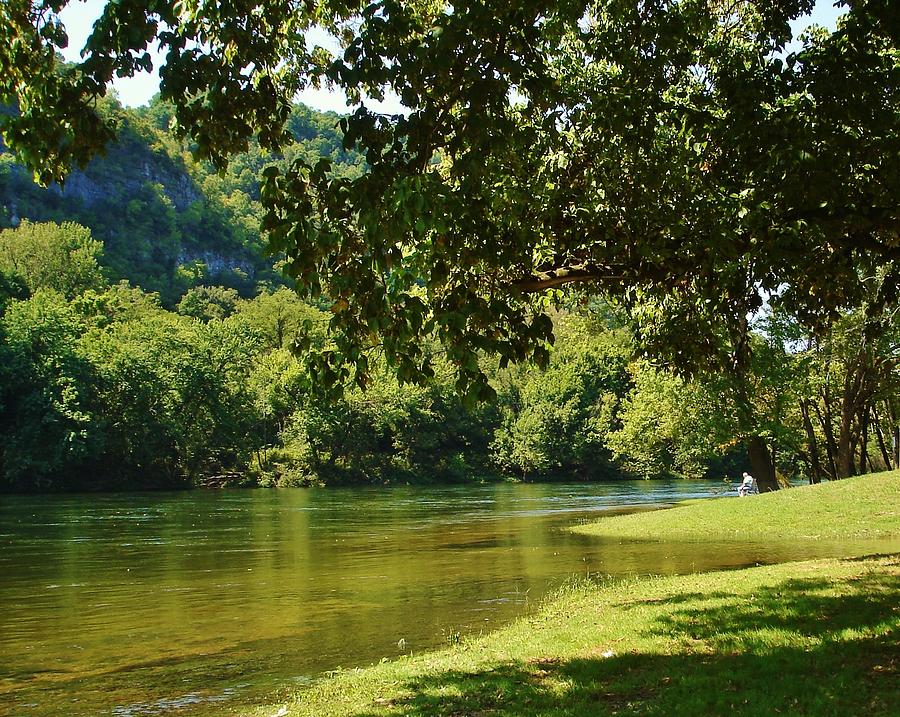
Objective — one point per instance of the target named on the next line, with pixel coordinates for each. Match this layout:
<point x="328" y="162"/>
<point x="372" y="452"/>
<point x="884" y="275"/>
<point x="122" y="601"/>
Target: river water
<point x="200" y="603"/>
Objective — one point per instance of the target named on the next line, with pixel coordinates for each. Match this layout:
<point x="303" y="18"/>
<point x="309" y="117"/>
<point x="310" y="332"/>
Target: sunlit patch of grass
<point x="814" y="638"/>
<point x="863" y="507"/>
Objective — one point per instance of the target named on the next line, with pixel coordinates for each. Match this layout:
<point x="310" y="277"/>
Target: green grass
<point x="863" y="507"/>
<point x="818" y="638"/>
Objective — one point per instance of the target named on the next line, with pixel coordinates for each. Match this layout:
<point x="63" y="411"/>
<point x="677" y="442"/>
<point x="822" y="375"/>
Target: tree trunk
<point x="844" y="457"/>
<point x="761" y="464"/>
<point x="864" y="440"/>
<point x="815" y="466"/>
<point x="825" y="422"/>
<point x="896" y="446"/>
<point x="879" y="436"/>
<point x="856" y="388"/>
<point x="895" y="431"/>
<point x="803" y="455"/>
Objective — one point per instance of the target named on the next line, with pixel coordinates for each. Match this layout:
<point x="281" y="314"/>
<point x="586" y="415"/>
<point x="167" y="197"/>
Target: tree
<point x="281" y="316"/>
<point x="59" y="257"/>
<point x="558" y="420"/>
<point x="208" y="302"/>
<point x="848" y="395"/>
<point x="174" y="393"/>
<point x="277" y="387"/>
<point x="668" y="426"/>
<point x="11" y="287"/>
<point x="641" y="149"/>
<point x="48" y="429"/>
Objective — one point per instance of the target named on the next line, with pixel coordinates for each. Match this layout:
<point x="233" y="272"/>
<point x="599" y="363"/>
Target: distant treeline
<point x="101" y="387"/>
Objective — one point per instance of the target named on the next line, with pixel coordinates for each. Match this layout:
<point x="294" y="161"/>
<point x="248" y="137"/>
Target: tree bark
<point x="559" y="275"/>
<point x="879" y="436"/>
<point x="864" y="440"/>
<point x="844" y="457"/>
<point x="825" y="422"/>
<point x="815" y="465"/>
<point x="895" y="432"/>
<point x="761" y="464"/>
<point x="896" y="446"/>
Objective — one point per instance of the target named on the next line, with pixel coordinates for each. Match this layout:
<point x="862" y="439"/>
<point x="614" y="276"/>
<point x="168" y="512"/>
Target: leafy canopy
<point x="61" y="257"/>
<point x="652" y="151"/>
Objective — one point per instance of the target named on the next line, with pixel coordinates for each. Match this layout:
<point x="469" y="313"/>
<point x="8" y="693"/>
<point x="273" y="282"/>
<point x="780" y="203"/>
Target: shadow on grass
<point x="803" y="647"/>
<point x="801" y="607"/>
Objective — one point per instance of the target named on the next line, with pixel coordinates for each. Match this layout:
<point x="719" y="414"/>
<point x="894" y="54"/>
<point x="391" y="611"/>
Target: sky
<point x="79" y="17"/>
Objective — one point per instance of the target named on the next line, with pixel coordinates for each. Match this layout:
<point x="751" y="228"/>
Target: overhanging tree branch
<point x="558" y="276"/>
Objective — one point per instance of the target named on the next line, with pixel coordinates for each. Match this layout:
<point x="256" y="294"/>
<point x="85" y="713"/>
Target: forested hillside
<point x="168" y="223"/>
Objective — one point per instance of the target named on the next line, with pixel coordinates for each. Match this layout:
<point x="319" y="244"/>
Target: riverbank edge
<point x="817" y="637"/>
<point x="864" y="507"/>
<point x="253" y="481"/>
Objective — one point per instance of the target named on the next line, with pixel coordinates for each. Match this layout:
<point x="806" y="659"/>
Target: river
<point x="202" y="602"/>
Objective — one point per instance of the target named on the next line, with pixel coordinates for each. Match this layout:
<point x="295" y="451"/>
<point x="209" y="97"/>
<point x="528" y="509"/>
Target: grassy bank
<point x="811" y="638"/>
<point x="862" y="507"/>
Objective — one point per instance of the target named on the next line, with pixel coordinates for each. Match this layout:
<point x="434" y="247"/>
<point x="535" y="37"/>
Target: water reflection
<point x="152" y="604"/>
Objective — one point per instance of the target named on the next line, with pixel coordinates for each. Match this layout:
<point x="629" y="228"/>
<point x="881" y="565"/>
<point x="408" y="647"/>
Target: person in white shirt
<point x="746" y="485"/>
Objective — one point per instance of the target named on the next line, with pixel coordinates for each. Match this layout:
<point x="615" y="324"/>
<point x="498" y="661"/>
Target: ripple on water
<point x="171" y="704"/>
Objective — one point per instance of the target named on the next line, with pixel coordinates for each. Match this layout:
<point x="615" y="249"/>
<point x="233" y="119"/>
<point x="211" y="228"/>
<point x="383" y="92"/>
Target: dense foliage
<point x="684" y="161"/>
<point x="102" y="387"/>
<point x="656" y="151"/>
<point x="674" y="157"/>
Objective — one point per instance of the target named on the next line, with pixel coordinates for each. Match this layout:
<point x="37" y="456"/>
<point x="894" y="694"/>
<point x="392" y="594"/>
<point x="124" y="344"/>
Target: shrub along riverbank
<point x="809" y="638"/>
